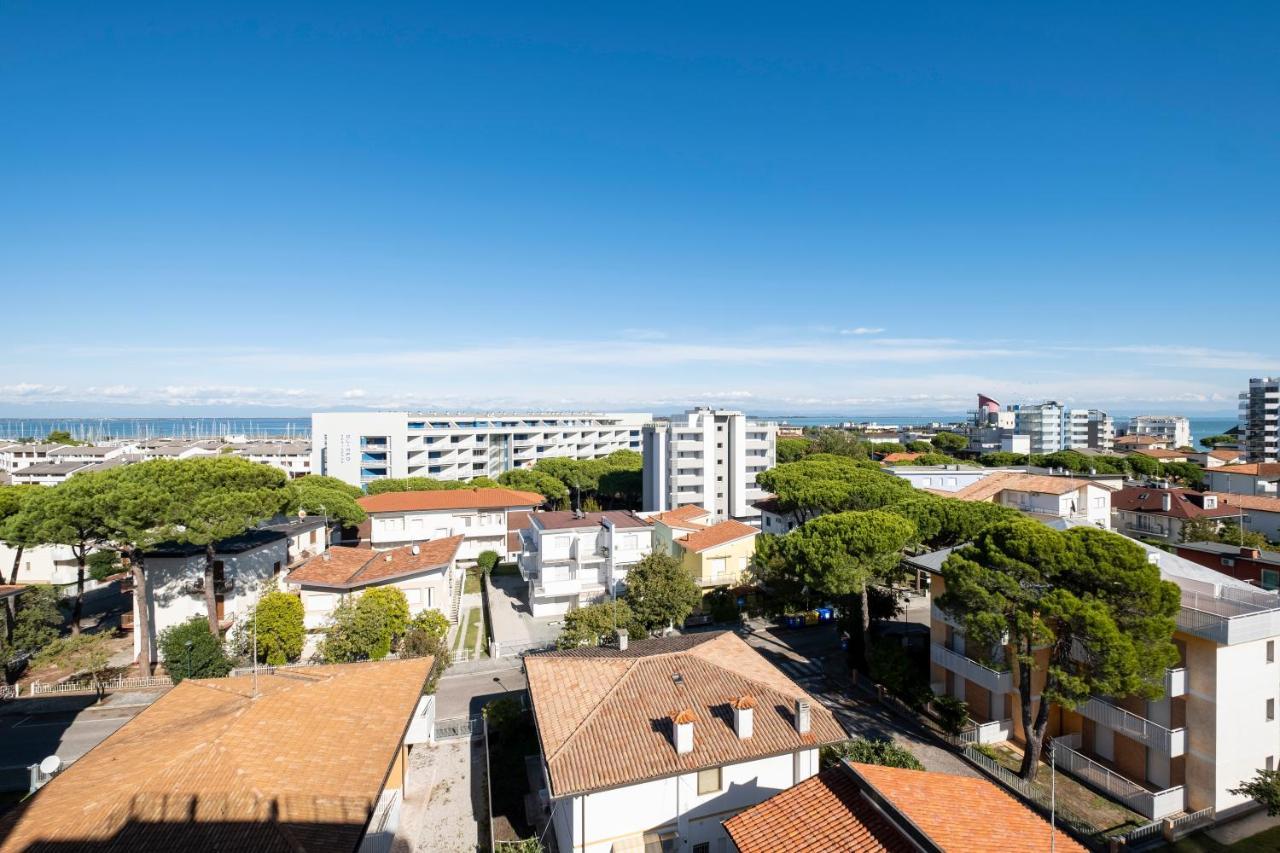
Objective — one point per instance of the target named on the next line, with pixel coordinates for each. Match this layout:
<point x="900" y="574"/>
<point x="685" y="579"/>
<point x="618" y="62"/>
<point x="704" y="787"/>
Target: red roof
<point x="716" y="535"/>
<point x="350" y="568"/>
<point x="1183" y="503"/>
<point x="1250" y="469"/>
<point x="442" y="499"/>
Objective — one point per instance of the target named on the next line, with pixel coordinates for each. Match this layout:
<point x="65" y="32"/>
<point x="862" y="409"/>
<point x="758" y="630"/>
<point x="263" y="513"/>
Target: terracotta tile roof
<point x="566" y="520"/>
<point x="1250" y="469"/>
<point x="350" y="568"/>
<point x="603" y="715"/>
<point x="517" y="520"/>
<point x="1138" y="440"/>
<point x="209" y="767"/>
<point x="993" y="484"/>
<point x="1183" y="503"/>
<point x="823" y="813"/>
<point x="1225" y="455"/>
<point x="686" y="517"/>
<point x="1255" y="502"/>
<point x="1158" y="453"/>
<point x="443" y="499"/>
<point x="900" y="457"/>
<point x="963" y="814"/>
<point x="717" y="535"/>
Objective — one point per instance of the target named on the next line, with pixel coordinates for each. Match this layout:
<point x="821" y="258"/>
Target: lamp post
<point x="189" y="644"/>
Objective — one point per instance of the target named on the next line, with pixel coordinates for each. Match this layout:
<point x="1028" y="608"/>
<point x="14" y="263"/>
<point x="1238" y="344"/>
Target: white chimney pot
<point x="802" y="716"/>
<point x="684" y="737"/>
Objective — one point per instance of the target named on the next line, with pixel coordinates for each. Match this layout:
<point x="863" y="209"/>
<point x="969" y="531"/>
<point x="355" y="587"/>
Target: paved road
<point x="464" y="695"/>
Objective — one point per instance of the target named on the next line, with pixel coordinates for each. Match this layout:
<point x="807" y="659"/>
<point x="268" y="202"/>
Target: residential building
<point x="1042" y="423"/>
<point x="991" y="430"/>
<point x="45" y="564"/>
<point x="165" y="448"/>
<point x="1145" y="512"/>
<point x="1087" y="429"/>
<point x="715" y="553"/>
<point x="864" y="808"/>
<point x="427" y="574"/>
<point x="1044" y="496"/>
<point x="1216" y="458"/>
<point x="1173" y="431"/>
<point x="773" y="519"/>
<point x="651" y="745"/>
<point x="572" y="559"/>
<point x="708" y="457"/>
<point x="1260" y="420"/>
<point x="1252" y="565"/>
<point x="1129" y="443"/>
<point x="14" y="457"/>
<point x="1251" y="478"/>
<point x="47" y="473"/>
<point x="291" y="457"/>
<point x="942" y="478"/>
<point x="310" y="760"/>
<point x="1214" y="727"/>
<point x="483" y="517"/>
<point x="89" y="453"/>
<point x="1255" y="513"/>
<point x="245" y="567"/>
<point x="359" y="447"/>
<point x="305" y="536"/>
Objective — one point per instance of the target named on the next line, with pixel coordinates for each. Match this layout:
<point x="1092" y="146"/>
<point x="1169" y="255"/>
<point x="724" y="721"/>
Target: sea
<point x="106" y="429"/>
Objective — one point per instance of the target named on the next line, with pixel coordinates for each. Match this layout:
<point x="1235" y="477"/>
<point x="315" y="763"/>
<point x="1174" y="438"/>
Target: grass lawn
<point x="473" y="582"/>
<point x="1266" y="841"/>
<point x="475" y="622"/>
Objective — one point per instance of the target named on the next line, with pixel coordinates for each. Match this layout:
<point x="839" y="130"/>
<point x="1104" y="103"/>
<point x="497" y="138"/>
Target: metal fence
<point x="459" y="727"/>
<point x="87" y="685"/>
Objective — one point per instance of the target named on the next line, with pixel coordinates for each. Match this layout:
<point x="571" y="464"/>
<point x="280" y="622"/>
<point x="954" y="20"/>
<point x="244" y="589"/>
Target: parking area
<point x="514" y="626"/>
<point x="444" y="809"/>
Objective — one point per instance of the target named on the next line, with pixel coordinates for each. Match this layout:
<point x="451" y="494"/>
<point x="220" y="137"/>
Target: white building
<point x="485" y="518"/>
<point x="291" y="457"/>
<point x="427" y="574"/>
<point x="1260" y="420"/>
<point x="652" y="745"/>
<point x="358" y="447"/>
<point x="572" y="559"/>
<point x="941" y="478"/>
<point x="1045" y="497"/>
<point x="1174" y="430"/>
<point x="1252" y="478"/>
<point x="14" y="457"/>
<point x="45" y="564"/>
<point x="707" y="457"/>
<point x="245" y="567"/>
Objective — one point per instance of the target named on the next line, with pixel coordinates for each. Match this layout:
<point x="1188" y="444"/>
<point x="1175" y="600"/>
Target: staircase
<point x="455" y="598"/>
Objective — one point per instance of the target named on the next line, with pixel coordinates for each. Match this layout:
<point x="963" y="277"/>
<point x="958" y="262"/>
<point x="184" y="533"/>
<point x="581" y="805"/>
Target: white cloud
<point x="355" y="394"/>
<point x="862" y="330"/>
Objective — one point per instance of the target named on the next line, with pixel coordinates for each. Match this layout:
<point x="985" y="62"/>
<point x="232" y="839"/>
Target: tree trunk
<point x="142" y="621"/>
<point x="866" y="628"/>
<point x="77" y="606"/>
<point x="210" y="594"/>
<point x="11" y="610"/>
<point x="1032" y="730"/>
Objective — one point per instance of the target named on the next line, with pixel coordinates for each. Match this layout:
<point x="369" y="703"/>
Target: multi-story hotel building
<point x="359" y="447"/>
<point x="708" y="457"/>
<point x="1260" y="420"/>
<point x="1173" y="430"/>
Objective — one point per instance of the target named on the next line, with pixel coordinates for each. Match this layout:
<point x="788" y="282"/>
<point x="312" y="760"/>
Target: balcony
<point x="1153" y="805"/>
<point x="970" y="670"/>
<point x="1175" y="682"/>
<point x="1172" y="742"/>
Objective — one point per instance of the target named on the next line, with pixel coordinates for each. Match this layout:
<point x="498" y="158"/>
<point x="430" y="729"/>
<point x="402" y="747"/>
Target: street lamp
<point x="189" y="644"/>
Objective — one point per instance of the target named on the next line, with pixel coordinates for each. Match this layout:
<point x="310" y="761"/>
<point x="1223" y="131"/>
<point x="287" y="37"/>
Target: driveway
<point x="513" y="623"/>
<point x="444" y="810"/>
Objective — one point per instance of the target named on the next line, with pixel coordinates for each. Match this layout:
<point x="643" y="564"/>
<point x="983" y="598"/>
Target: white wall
<point x="674" y="804"/>
<point x="1266" y="523"/>
<point x="1244" y="737"/>
<point x="946" y="481"/>
<point x="52" y="564"/>
<point x="484" y="529"/>
<point x="426" y="591"/>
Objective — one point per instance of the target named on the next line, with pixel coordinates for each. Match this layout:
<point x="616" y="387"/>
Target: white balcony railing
<point x="1152" y="804"/>
<point x="970" y="670"/>
<point x="1171" y="742"/>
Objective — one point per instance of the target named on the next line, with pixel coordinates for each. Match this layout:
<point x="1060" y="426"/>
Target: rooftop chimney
<point x="743" y="716"/>
<point x="802" y="716"/>
<point x="622" y="639"/>
<point x="1251" y="553"/>
<point x="1166" y="502"/>
<point x="415" y="550"/>
<point x="682" y="726"/>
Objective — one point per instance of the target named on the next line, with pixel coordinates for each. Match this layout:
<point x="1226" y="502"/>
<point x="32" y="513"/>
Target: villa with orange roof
<point x="714" y="553"/>
<point x="484" y="518"/>
<point x="1044" y="496"/>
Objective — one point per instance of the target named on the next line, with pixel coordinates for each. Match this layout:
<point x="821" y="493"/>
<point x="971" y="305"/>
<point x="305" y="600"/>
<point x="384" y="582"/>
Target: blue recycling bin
<point x="826" y="614"/>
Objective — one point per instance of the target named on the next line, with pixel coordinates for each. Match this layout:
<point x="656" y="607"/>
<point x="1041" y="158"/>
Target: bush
<point x="487" y="560"/>
<point x="952" y="714"/>
<point x="596" y="624"/>
<point x="721" y="604"/>
<point x="206" y="659"/>
<point x="39" y="621"/>
<point x="420" y="642"/>
<point x="280" y="628"/>
<point x="885" y="753"/>
<point x="433" y="622"/>
<point x="365" y="628"/>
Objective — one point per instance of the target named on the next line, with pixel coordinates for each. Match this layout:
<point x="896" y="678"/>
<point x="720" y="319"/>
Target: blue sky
<point x="791" y="207"/>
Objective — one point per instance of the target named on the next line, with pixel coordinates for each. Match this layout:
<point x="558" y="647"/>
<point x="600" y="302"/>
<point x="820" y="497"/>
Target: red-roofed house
<point x="1149" y="513"/>
<point x="1254" y="478"/>
<point x="481" y="516"/>
<point x="716" y="554"/>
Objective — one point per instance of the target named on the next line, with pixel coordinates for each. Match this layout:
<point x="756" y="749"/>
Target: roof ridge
<point x="631" y="665"/>
<point x="756" y="681"/>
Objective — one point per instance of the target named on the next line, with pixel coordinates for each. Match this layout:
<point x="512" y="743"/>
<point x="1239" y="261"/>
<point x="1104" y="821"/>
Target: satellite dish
<point x="302" y="513"/>
<point x="50" y="765"/>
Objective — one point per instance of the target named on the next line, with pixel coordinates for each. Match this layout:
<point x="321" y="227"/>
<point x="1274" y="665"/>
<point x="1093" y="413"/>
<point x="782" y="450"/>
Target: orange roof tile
<point x="717" y="535"/>
<point x="686" y="516"/>
<point x="900" y="457"/>
<point x="596" y="708"/>
<point x="211" y="767"/>
<point x="1250" y="469"/>
<point x="993" y="484"/>
<point x="1260" y="503"/>
<point x="443" y="499"/>
<point x="1158" y="453"/>
<point x="349" y="568"/>
<point x="1225" y="455"/>
<point x="823" y="813"/>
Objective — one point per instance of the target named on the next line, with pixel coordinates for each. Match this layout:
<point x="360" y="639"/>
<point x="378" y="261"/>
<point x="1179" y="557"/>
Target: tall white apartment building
<point x="1043" y="424"/>
<point x="1260" y="420"/>
<point x="359" y="447"/>
<point x="1174" y="429"/>
<point x="710" y="458"/>
<point x="1051" y="427"/>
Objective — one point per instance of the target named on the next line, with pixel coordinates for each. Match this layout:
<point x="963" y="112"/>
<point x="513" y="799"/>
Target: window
<point x="704" y="847"/>
<point x="709" y="780"/>
<point x="1271" y="709"/>
<point x="1271" y="651"/>
<point x="275" y="570"/>
<point x="1270" y="579"/>
<point x="659" y="842"/>
<point x="1227" y="561"/>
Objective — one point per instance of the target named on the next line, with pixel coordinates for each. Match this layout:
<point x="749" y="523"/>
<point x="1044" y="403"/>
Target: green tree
<point x="219" y="497"/>
<point x="845" y="553"/>
<point x="279" y="627"/>
<point x="597" y="624"/>
<point x="16" y="532"/>
<point x="1142" y="465"/>
<point x="72" y="513"/>
<point x="1212" y="441"/>
<point x="579" y="477"/>
<point x="1200" y="530"/>
<point x="946" y="522"/>
<point x="919" y="447"/>
<point x="837" y="442"/>
<point x="486" y="561"/>
<point x="104" y="564"/>
<point x="949" y="442"/>
<point x="660" y="592"/>
<point x="792" y="449"/>
<point x="1083" y="609"/>
<point x="327" y="497"/>
<point x="61" y="436"/>
<point x="39" y="621"/>
<point x="1002" y="459"/>
<point x="419" y="642"/>
<point x="530" y="480"/>
<point x="1232" y="534"/>
<point x="883" y="752"/>
<point x="1187" y="473"/>
<point x="821" y="483"/>
<point x="1264" y="787"/>
<point x="367" y="627"/>
<point x="413" y="484"/>
<point x="952" y="714"/>
<point x="190" y="651"/>
<point x="431" y="622"/>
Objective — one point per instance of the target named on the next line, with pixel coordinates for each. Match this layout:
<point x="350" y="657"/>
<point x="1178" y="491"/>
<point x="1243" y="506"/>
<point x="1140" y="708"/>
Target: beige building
<point x="484" y="518"/>
<point x="714" y="553"/>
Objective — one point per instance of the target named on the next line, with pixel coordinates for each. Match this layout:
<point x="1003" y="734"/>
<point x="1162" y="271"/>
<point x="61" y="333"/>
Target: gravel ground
<point x="444" y="806"/>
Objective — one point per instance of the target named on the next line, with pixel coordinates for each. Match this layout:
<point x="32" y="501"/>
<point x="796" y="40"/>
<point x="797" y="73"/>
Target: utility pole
<point x="1053" y="798"/>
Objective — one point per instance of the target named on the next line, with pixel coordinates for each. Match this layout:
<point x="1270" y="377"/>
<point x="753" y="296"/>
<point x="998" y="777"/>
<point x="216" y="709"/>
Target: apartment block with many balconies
<point x="360" y="447"/>
<point x="1214" y="727"/>
<point x="1260" y="420"/>
<point x="1173" y="430"/>
<point x="572" y="559"/>
<point x="709" y="458"/>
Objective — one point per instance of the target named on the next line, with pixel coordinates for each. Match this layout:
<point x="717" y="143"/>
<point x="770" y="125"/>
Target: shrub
<point x="206" y="658"/>
<point x="487" y="560"/>
<point x="419" y="642"/>
<point x="433" y="622"/>
<point x="365" y="628"/>
<point x="952" y="714"/>
<point x="39" y="621"/>
<point x="598" y="623"/>
<point x="885" y="753"/>
<point x="280" y="628"/>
